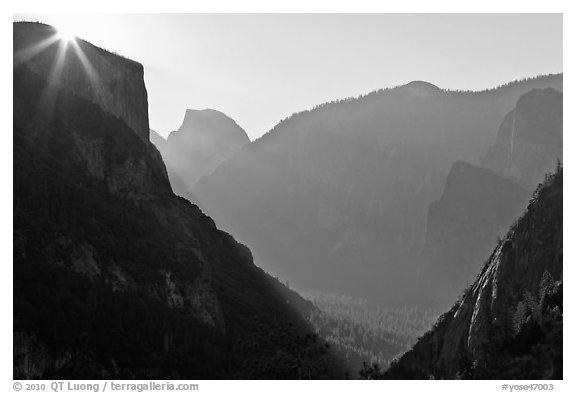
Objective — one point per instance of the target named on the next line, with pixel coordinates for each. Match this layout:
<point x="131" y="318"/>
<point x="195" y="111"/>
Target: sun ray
<point x="65" y="42"/>
<point x="86" y="64"/>
<point x="23" y="55"/>
<point x="50" y="93"/>
<point x="65" y="36"/>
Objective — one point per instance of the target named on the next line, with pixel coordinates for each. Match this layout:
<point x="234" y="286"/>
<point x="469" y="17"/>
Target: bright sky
<point x="260" y="68"/>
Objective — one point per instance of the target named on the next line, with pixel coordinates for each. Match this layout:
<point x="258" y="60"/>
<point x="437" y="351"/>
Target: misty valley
<point x="412" y="232"/>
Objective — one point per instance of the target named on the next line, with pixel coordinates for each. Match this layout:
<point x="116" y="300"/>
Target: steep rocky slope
<point x="475" y="208"/>
<point x="205" y="139"/>
<point x="529" y="140"/>
<point x="336" y="198"/>
<point x="508" y="324"/>
<point x="114" y="275"/>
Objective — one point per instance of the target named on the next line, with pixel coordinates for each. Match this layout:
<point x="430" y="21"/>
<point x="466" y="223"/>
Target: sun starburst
<point x="65" y="36"/>
<point x="66" y="44"/>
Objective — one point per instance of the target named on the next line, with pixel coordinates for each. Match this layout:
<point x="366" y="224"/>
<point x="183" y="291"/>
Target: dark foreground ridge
<point x="114" y="275"/>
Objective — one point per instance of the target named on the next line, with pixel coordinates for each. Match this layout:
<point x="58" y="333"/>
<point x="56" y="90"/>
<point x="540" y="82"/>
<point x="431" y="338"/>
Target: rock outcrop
<point x="508" y="324"/>
<point x="205" y="139"/>
<point x="529" y="141"/>
<point x="113" y="82"/>
<point x="476" y="207"/>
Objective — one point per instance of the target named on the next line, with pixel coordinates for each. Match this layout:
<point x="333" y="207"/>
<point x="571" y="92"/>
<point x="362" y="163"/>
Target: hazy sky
<point x="260" y="68"/>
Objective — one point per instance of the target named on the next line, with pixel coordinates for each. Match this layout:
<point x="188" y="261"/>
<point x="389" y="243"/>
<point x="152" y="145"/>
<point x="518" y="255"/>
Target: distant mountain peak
<point x="204" y="113"/>
<point x="212" y="121"/>
<point x="205" y="139"/>
<point x="421" y="87"/>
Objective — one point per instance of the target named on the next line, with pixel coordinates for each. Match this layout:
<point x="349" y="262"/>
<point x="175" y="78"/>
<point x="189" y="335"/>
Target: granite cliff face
<point x="529" y="140"/>
<point x="508" y="324"/>
<point x="114" y="83"/>
<point x="476" y="207"/>
<point x="114" y="275"/>
<point x="205" y="139"/>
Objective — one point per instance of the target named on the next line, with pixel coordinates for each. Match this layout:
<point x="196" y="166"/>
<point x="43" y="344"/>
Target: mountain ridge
<point x="547" y="79"/>
<point x="117" y="277"/>
<point x="352" y="180"/>
<point x="508" y="324"/>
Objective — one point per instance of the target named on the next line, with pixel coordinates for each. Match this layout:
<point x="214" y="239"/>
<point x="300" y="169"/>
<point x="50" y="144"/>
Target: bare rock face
<point x="205" y="139"/>
<point x="476" y="207"/>
<point x="529" y="140"/>
<point x="508" y="324"/>
<point x="113" y="82"/>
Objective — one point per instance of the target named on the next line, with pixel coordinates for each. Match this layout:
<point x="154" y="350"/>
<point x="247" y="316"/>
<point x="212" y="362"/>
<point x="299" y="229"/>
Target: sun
<point x="65" y="36"/>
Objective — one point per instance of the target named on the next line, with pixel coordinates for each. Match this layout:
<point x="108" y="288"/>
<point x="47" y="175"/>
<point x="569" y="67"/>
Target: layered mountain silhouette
<point x="205" y="139"/>
<point x="397" y="196"/>
<point x="529" y="141"/>
<point x="508" y="324"/>
<point x="476" y="206"/>
<point x="114" y="275"/>
<point x="336" y="198"/>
